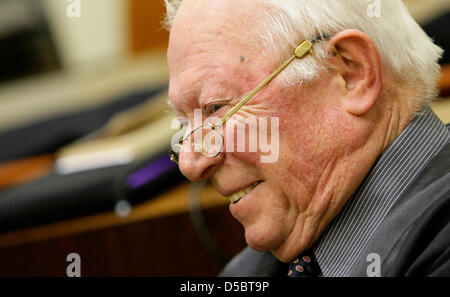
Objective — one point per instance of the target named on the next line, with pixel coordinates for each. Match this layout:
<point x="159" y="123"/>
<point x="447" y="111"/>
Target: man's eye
<point x="210" y="109"/>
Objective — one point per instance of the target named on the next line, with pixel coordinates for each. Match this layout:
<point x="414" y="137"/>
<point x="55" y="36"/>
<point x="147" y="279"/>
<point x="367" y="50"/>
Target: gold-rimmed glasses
<point x="207" y="139"/>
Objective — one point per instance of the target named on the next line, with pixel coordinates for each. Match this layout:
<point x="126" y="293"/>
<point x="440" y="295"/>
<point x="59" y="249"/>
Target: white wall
<point x="98" y="37"/>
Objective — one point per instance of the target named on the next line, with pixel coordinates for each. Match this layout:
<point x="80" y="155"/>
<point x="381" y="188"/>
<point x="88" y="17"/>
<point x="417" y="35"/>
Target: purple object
<point x="150" y="171"/>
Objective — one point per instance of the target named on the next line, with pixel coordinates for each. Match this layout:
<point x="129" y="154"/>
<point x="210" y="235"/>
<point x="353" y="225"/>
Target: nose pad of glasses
<point x="212" y="144"/>
<point x="207" y="148"/>
<point x="197" y="147"/>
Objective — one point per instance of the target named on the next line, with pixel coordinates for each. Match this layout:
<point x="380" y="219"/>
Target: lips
<point x="235" y="197"/>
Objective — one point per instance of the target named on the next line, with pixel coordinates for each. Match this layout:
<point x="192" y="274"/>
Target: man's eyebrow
<point x="186" y="94"/>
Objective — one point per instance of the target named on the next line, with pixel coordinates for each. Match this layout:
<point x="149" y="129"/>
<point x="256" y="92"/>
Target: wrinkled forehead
<point x="212" y="25"/>
<point x="232" y="14"/>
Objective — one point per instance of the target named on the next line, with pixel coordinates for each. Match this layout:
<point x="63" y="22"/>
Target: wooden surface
<point x="444" y="82"/>
<point x="170" y="203"/>
<point x="156" y="237"/>
<point x="163" y="246"/>
<point x="146" y="31"/>
<point x="20" y="171"/>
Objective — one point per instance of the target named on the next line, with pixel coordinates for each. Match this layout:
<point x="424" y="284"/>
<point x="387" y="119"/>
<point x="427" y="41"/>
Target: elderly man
<point x="361" y="183"/>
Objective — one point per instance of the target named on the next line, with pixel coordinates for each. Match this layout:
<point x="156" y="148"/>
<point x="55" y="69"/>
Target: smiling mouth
<point x="234" y="198"/>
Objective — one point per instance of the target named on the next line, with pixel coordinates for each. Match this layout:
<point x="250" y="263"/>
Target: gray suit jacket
<point x="413" y="239"/>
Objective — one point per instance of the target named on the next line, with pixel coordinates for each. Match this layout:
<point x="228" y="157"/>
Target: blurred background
<point x="84" y="129"/>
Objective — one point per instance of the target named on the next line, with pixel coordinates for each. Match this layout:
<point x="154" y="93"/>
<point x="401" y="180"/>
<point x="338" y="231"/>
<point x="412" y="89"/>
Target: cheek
<point x="252" y="139"/>
<point x="306" y="148"/>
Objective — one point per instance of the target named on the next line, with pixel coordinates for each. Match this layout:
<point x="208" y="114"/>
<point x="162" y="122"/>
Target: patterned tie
<point x="305" y="265"/>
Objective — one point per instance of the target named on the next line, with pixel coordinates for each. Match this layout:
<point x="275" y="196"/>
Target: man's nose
<point x="196" y="166"/>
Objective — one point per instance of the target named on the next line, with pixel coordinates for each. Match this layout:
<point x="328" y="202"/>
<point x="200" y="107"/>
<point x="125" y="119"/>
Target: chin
<point x="275" y="238"/>
<point x="263" y="239"/>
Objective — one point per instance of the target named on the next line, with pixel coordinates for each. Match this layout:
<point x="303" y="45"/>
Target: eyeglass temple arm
<point x="300" y="52"/>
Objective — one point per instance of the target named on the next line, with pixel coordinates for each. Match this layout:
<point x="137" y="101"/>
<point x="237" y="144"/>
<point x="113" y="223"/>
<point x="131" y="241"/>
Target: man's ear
<point x="360" y="68"/>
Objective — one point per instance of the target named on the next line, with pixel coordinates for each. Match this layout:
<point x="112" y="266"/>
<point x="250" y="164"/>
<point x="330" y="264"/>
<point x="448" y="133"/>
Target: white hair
<point x="403" y="46"/>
